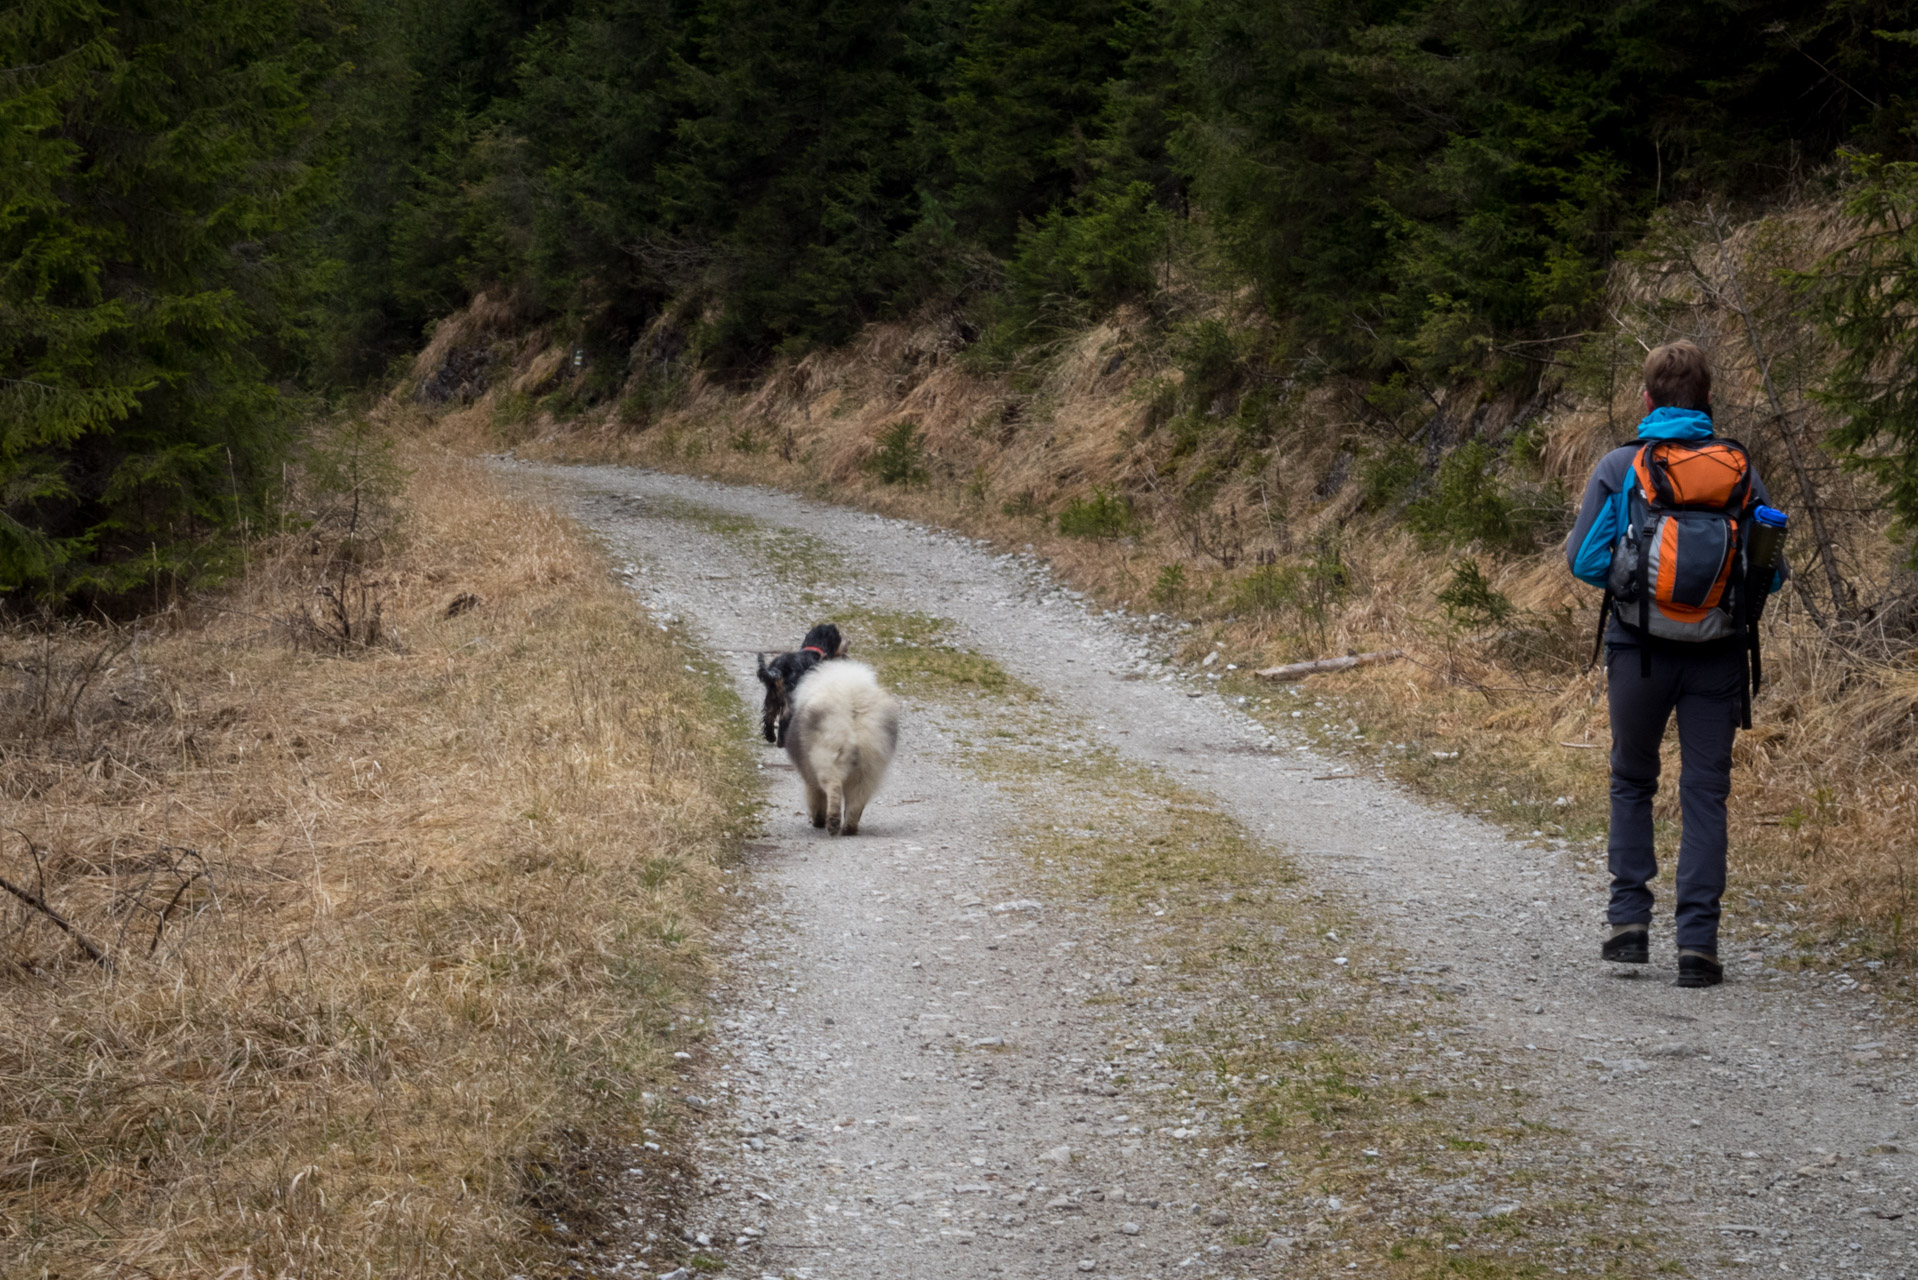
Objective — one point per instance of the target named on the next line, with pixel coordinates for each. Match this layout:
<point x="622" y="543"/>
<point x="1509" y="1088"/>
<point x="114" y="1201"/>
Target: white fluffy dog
<point x="841" y="739"/>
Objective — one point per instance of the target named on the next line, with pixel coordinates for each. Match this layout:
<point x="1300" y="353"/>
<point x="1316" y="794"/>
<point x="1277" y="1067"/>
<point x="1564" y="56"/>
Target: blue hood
<point x="1671" y="423"/>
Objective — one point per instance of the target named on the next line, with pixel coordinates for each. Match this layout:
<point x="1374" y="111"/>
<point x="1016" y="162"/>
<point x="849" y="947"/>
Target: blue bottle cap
<point x="1771" y="516"/>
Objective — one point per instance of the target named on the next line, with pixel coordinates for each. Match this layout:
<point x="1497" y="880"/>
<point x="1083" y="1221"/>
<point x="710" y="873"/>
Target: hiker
<point x="1674" y="510"/>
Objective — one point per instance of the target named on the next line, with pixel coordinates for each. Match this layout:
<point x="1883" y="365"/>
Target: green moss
<point x="913" y="653"/>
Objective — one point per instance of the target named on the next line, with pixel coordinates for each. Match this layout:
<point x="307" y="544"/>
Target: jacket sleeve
<point x="1601" y="521"/>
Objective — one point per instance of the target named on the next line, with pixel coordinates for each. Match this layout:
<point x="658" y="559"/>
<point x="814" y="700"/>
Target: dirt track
<point x="918" y="1071"/>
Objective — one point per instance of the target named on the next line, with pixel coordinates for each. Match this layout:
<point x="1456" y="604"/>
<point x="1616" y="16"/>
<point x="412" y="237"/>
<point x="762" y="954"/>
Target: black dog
<point x="783" y="673"/>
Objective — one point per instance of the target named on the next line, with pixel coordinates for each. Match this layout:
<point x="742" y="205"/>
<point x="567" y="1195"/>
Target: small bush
<point x="1469" y="599"/>
<point x="600" y="380"/>
<point x="1309" y="589"/>
<point x="900" y="458"/>
<point x="1389" y="475"/>
<point x="564" y="404"/>
<point x="513" y="410"/>
<point x="1467" y="504"/>
<point x="978" y="486"/>
<point x="635" y="408"/>
<point x="1170" y="586"/>
<point x="1270" y="588"/>
<point x="652" y="394"/>
<point x="1207" y="357"/>
<point x="1067" y="267"/>
<point x="1103" y="515"/>
<point x="1020" y="504"/>
<point x="745" y="440"/>
<point x="1100" y="254"/>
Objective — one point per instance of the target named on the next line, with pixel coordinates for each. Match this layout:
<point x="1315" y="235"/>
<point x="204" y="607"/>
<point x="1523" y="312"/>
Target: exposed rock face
<point x="461" y="378"/>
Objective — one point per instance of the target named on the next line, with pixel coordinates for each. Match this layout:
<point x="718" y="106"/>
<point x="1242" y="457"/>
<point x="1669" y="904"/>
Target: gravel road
<point x="910" y="1078"/>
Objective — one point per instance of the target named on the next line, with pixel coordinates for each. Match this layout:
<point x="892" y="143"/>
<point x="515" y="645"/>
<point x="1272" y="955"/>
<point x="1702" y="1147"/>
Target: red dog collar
<point x="813" y="648"/>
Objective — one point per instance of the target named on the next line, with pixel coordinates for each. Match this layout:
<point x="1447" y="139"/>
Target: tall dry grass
<point x="402" y="938"/>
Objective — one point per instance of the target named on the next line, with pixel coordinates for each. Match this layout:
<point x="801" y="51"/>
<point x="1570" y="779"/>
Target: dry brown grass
<point x="1825" y="794"/>
<point x="440" y="927"/>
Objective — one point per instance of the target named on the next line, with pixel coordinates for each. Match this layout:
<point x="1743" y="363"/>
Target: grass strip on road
<point x="1352" y="1115"/>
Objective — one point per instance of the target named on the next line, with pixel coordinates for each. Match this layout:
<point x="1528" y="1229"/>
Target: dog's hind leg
<point x="816" y="804"/>
<point x="835" y="807"/>
<point x="856" y="794"/>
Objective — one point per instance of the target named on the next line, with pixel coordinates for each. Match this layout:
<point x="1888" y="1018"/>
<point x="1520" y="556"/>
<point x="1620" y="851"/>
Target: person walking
<point x="1662" y="528"/>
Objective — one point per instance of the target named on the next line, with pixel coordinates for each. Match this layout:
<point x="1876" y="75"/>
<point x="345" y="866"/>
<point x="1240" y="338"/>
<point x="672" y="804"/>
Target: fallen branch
<point x="1300" y="670"/>
<point x="39" y="903"/>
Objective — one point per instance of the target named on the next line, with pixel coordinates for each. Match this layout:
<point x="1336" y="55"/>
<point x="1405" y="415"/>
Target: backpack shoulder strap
<point x="1745" y="502"/>
<point x="1641" y="470"/>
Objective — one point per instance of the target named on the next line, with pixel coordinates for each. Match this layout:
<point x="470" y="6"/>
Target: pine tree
<point x="158" y="166"/>
<point x="1866" y="295"/>
<point x="1023" y="116"/>
<point x="1407" y="179"/>
<point x="594" y="118"/>
<point x="796" y="164"/>
<point x="1286" y="148"/>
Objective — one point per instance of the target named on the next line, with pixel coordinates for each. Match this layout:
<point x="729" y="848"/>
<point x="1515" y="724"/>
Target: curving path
<point x="910" y="1079"/>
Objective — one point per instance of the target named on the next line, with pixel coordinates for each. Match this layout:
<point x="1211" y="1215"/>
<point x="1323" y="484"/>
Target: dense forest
<point x="217" y="214"/>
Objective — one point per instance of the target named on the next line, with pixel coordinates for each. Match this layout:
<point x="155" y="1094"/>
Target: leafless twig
<point x="186" y="882"/>
<point x="39" y="903"/>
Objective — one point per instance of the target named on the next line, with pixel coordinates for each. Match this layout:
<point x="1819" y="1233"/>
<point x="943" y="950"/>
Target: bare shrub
<point x="342" y="512"/>
<point x="54" y="664"/>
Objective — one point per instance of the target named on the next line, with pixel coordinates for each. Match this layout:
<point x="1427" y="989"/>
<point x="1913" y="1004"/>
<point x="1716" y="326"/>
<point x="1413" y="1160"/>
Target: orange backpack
<point x="1688" y="509"/>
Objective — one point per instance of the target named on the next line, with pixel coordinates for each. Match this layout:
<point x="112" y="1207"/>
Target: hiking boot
<point x="1699" y="969"/>
<point x="1629" y="944"/>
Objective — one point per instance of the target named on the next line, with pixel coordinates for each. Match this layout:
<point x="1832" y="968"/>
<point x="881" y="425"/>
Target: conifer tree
<point x="158" y="160"/>
<point x="1029" y="88"/>
<point x="797" y="162"/>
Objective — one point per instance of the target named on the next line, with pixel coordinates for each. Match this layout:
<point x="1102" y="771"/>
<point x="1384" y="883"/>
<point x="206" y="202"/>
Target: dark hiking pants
<point x="1706" y="689"/>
